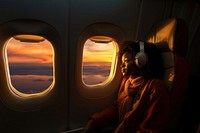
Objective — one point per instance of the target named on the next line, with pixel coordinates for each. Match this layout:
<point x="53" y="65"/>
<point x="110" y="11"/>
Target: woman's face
<point x="128" y="66"/>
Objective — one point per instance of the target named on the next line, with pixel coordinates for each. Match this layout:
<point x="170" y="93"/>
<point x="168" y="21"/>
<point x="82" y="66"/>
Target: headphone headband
<point x="141" y="57"/>
<point x="141" y="46"/>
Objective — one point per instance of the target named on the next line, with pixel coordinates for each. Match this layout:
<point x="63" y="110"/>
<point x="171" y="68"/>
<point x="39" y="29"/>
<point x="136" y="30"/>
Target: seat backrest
<point x="171" y="37"/>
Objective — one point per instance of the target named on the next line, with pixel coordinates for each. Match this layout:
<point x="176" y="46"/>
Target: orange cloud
<point x="98" y="52"/>
<point x="21" y="52"/>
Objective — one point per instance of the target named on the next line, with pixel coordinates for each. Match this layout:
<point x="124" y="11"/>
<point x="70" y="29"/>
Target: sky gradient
<point x="30" y="65"/>
<point x="33" y="63"/>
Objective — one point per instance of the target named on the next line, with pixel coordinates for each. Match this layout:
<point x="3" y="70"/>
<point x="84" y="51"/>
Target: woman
<point x="142" y="105"/>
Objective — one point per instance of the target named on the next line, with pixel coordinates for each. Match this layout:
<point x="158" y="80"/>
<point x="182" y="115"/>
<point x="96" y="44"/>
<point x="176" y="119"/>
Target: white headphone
<point x="141" y="57"/>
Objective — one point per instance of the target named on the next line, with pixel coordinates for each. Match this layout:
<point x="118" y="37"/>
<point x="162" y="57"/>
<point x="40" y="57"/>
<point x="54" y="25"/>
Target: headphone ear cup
<point x="141" y="59"/>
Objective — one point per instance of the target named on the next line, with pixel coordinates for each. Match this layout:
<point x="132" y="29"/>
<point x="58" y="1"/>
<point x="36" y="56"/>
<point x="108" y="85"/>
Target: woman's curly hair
<point x="154" y="66"/>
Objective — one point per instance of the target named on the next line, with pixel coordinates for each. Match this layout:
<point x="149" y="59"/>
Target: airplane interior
<point x="60" y="63"/>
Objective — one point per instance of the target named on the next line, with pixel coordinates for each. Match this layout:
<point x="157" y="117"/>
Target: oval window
<point x="30" y="66"/>
<point x="99" y="59"/>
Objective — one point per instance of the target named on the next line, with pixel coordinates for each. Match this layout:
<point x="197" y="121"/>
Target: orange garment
<point x="149" y="113"/>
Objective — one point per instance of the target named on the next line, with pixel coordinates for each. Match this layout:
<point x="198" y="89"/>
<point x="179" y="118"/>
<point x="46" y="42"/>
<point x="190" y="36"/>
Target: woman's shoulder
<point x="157" y="81"/>
<point x="157" y="85"/>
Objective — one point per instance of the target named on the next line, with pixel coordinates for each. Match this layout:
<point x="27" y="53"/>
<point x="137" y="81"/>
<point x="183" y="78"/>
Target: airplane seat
<point x="171" y="37"/>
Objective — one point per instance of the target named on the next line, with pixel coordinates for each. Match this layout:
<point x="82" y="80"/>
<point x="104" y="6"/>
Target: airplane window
<point x="29" y="60"/>
<point x="99" y="57"/>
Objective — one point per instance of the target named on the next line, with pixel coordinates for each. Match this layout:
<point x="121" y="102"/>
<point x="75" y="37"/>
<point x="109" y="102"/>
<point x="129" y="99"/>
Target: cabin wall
<point x="54" y="117"/>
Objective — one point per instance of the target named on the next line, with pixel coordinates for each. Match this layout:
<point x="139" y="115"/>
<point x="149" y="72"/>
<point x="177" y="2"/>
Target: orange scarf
<point x="130" y="88"/>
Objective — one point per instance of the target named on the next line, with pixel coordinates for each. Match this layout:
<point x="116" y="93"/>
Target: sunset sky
<point x="42" y="52"/>
<point x="33" y="63"/>
<point x="98" y="52"/>
<point x="37" y="53"/>
<point x="97" y="58"/>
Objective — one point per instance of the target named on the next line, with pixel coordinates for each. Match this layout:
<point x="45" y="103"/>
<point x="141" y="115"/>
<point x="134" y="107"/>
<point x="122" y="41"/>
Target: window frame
<point x="108" y="88"/>
<point x="14" y="90"/>
<point x="33" y="27"/>
<point x="113" y="63"/>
